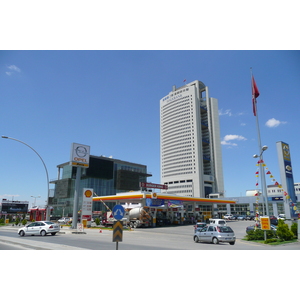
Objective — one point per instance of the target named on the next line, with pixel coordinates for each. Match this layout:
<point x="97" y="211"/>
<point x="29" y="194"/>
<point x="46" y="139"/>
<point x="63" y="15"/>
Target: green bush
<point x="294" y="229"/>
<point x="24" y="222"/>
<point x="259" y="234"/>
<point x="17" y="221"/>
<point x="268" y="241"/>
<point x="2" y="221"/>
<point x="283" y="231"/>
<point x="97" y="221"/>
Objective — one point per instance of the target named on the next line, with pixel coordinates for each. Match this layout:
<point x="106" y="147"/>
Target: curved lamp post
<point x="47" y="202"/>
<point x="263" y="178"/>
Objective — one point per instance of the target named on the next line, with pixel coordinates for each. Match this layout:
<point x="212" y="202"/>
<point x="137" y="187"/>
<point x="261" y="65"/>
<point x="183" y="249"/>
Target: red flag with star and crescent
<point x="255" y="94"/>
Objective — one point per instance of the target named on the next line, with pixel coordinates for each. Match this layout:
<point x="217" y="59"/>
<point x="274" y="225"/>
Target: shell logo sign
<point x="88" y="193"/>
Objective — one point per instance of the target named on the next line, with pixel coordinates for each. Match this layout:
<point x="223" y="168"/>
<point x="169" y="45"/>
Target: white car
<point x="227" y="216"/>
<point x="39" y="228"/>
<point x="281" y="217"/>
<point x="221" y="222"/>
<point x="64" y="220"/>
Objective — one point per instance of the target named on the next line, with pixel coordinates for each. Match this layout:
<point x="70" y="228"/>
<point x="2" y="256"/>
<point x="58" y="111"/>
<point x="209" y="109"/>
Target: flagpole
<point x="261" y="166"/>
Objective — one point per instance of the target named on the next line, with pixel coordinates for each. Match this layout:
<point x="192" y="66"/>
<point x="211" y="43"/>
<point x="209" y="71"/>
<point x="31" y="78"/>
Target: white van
<point x="217" y="222"/>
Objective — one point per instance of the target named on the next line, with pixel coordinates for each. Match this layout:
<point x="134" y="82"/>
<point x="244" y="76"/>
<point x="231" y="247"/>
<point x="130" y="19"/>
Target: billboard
<point x="14" y="207"/>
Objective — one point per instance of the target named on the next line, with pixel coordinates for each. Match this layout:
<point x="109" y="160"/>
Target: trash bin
<point x="7" y="221"/>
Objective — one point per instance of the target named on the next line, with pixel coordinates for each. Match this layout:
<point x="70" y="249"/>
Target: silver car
<point x="215" y="234"/>
<point x="39" y="228"/>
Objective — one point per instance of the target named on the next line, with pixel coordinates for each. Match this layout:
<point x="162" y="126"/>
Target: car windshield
<point x="48" y="223"/>
<point x="225" y="229"/>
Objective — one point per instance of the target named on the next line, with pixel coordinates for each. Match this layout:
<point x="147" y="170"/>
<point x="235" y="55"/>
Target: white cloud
<point x="12" y="69"/>
<point x="231" y="137"/>
<point x="274" y="123"/>
<point x="8" y="197"/>
<point x="226" y="112"/>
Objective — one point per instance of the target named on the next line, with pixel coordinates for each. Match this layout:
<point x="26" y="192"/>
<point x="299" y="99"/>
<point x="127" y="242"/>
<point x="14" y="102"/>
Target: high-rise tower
<point x="190" y="145"/>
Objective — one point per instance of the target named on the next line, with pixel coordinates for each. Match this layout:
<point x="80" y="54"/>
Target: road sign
<point x="117" y="231"/>
<point x="265" y="223"/>
<point x="118" y="212"/>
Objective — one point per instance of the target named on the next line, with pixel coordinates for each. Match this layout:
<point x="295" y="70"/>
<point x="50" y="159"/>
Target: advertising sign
<point x="80" y="155"/>
<point x="286" y="174"/>
<point x="265" y="223"/>
<point x="14" y="207"/>
<point x="150" y="185"/>
<point x="87" y="204"/>
<point x="155" y="202"/>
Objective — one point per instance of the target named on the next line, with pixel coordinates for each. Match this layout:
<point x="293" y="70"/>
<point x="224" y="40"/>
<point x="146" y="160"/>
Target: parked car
<point x="217" y="221"/>
<point x="227" y="216"/>
<point x="39" y="228"/>
<point x="64" y="220"/>
<point x="215" y="234"/>
<point x="241" y="217"/>
<point x="249" y="228"/>
<point x="250" y="217"/>
<point x="273" y="220"/>
<point x="233" y="217"/>
<point x="199" y="225"/>
<point x="281" y="217"/>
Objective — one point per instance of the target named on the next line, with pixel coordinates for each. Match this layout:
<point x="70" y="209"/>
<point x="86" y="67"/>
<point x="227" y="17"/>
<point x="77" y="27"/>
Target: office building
<point x="190" y="145"/>
<point x="106" y="176"/>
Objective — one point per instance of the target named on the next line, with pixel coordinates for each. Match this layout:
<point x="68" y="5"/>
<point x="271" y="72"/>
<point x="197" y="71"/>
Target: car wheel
<point x="215" y="240"/>
<point x="231" y="243"/>
<point x="43" y="233"/>
<point x="196" y="239"/>
<point x="21" y="233"/>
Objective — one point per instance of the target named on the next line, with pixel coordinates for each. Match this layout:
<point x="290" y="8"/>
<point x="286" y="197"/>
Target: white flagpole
<point x="261" y="167"/>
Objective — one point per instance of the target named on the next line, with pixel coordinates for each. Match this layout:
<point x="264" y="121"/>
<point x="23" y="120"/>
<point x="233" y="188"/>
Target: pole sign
<point x="265" y="223"/>
<point x="286" y="174"/>
<point x="87" y="204"/>
<point x="80" y="155"/>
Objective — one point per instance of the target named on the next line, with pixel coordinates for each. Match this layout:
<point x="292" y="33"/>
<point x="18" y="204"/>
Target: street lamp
<point x="35" y="198"/>
<point x="263" y="178"/>
<point x="47" y="202"/>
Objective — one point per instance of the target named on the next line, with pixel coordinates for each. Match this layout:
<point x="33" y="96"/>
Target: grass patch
<point x="274" y="243"/>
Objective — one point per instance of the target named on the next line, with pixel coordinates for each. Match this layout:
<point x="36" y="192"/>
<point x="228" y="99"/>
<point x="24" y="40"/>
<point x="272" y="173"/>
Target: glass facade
<point x="123" y="177"/>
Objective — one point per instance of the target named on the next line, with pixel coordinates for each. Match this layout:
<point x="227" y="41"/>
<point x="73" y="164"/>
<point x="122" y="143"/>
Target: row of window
<point x="175" y="163"/>
<point x="178" y="181"/>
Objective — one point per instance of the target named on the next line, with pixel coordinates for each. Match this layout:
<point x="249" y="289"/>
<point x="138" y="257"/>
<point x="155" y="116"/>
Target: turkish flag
<point x="255" y="94"/>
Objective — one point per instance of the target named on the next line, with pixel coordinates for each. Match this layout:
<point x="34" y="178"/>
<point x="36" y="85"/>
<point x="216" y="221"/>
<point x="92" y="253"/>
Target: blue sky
<point x="109" y="100"/>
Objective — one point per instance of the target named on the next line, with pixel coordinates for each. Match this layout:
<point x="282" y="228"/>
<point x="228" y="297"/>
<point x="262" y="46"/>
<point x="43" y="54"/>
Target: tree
<point x="283" y="231"/>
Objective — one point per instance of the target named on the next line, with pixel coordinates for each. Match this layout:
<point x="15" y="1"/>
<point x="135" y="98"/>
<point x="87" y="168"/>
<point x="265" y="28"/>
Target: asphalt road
<point x="160" y="238"/>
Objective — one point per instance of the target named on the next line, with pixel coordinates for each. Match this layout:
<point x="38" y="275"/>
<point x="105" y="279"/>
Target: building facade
<point x="106" y="176"/>
<point x="190" y="145"/>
